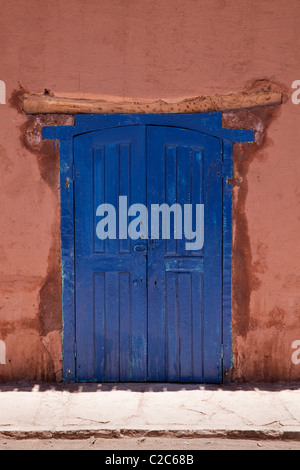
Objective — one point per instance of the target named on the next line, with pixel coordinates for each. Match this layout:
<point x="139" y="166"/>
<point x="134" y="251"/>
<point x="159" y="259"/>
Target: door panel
<point x="111" y="298"/>
<point x="184" y="286"/>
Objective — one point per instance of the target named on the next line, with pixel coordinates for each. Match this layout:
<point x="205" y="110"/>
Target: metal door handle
<point x="139" y="248"/>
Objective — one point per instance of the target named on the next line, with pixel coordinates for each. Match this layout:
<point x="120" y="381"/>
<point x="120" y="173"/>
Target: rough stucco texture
<point x="154" y="49"/>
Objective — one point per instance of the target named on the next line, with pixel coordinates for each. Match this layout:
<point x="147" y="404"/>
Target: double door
<point x="148" y="255"/>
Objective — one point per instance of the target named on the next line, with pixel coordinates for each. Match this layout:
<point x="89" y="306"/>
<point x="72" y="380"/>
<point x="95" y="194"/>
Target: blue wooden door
<point x="148" y="308"/>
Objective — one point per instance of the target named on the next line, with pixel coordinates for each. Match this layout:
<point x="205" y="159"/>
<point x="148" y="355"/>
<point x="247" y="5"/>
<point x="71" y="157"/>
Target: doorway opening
<point x="139" y="306"/>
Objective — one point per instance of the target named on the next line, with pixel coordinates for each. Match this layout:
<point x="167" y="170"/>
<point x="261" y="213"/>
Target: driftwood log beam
<point x="47" y="104"/>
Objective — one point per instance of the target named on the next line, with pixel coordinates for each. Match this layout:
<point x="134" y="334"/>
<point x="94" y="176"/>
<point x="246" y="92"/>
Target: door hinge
<point x="75" y="350"/>
<point x="222" y="351"/>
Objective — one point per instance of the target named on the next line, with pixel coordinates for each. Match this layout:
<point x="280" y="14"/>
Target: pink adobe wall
<point x="151" y="49"/>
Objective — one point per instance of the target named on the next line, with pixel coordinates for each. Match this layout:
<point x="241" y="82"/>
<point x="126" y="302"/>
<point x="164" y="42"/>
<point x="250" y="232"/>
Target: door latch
<point x="139" y="248"/>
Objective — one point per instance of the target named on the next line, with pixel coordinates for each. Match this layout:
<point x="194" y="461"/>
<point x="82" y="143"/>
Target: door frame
<point x="206" y="123"/>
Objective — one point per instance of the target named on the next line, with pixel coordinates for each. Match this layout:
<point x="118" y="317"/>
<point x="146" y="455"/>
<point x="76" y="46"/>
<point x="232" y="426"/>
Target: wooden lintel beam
<point x="46" y="104"/>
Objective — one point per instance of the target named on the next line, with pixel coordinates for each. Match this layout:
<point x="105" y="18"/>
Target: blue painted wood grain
<point x="185" y="305"/>
<point x="227" y="259"/>
<point x="207" y="123"/>
<point x="67" y="252"/>
<point x="111" y="298"/>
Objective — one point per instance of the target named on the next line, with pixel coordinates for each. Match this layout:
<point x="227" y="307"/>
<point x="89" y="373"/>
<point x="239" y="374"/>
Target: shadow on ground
<point x="26" y="386"/>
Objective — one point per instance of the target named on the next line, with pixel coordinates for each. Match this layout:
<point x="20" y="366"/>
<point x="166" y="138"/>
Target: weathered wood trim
<point x="45" y="104"/>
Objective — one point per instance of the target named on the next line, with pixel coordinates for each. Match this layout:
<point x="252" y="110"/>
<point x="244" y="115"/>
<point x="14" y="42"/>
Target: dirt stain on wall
<point x="50" y="303"/>
<point x="244" y="270"/>
<point x="49" y="315"/>
<point x="46" y="151"/>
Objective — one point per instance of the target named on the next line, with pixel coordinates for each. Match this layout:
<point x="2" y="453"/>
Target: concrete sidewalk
<point x="116" y="410"/>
